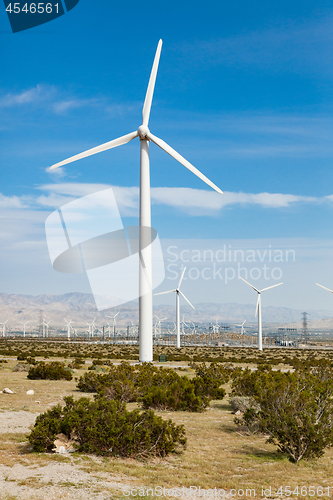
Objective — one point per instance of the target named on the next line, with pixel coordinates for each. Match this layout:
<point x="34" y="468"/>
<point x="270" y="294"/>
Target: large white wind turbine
<point x="177" y="290"/>
<point x="145" y="276"/>
<point x="258" y="309"/>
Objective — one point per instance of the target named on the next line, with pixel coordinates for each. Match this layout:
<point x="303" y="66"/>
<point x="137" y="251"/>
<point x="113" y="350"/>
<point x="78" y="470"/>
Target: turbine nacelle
<point x="143" y="132"/>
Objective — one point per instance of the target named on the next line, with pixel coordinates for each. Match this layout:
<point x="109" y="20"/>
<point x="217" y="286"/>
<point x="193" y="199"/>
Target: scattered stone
<point x="238" y="412"/>
<point x="21" y="367"/>
<point x="7" y="391"/>
<point x="63" y="444"/>
<point x="37" y="401"/>
<point x="31" y="392"/>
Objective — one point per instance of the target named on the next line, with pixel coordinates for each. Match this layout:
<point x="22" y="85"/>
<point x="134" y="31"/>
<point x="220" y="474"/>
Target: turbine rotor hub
<point x="143" y="130"/>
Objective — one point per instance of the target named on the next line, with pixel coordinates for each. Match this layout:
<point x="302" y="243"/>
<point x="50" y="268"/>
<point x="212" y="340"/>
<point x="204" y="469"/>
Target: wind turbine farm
<point x="142" y="308"/>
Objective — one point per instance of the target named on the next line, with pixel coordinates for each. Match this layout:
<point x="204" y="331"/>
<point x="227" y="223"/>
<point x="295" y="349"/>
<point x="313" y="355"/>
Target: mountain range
<point x="80" y="308"/>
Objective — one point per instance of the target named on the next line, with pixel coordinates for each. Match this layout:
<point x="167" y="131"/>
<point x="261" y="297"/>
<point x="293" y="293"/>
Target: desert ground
<point x="218" y="455"/>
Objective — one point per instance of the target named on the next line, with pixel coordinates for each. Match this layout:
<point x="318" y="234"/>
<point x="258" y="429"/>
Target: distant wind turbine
<point x="91" y="328"/>
<point x="68" y="326"/>
<point x="24" y="326"/>
<point x="258" y="309"/>
<point x="113" y="324"/>
<point x="177" y="290"/>
<point x="145" y="272"/>
<point x="242" y="326"/>
<point x="47" y="327"/>
<point x="4" y="328"/>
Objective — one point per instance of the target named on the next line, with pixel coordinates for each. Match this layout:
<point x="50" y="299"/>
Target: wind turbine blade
<point x="98" y="149"/>
<point x="243" y="323"/>
<point x="181" y="278"/>
<point x="162" y="293"/>
<point x="257" y="306"/>
<point x="116" y="314"/>
<point x="151" y="86"/>
<point x="278" y="284"/>
<point x="186" y="299"/>
<point x="254" y="288"/>
<point x="168" y="149"/>
<point x="324" y="287"/>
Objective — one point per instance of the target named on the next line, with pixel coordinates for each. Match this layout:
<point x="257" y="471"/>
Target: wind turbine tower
<point x="4" y="328"/>
<point x="258" y="309"/>
<point x="91" y="325"/>
<point x="24" y="326"/>
<point x="46" y="328"/>
<point x="145" y="269"/>
<point x="242" y="327"/>
<point x="178" y="292"/>
<point x="114" y="325"/>
<point x="68" y="325"/>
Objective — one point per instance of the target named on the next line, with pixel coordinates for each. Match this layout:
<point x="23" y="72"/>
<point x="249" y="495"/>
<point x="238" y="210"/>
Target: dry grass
<point x="217" y="455"/>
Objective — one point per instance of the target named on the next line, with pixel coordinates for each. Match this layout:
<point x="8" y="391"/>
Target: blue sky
<point x="244" y="92"/>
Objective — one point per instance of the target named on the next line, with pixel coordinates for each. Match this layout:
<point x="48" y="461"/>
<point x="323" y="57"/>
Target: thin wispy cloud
<point x="191" y="201"/>
<point x="293" y="47"/>
<point x="35" y="95"/>
<point x="12" y="201"/>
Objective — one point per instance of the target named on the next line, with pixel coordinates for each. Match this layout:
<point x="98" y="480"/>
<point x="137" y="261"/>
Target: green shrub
<point x="155" y="387"/>
<point x="295" y="409"/>
<point x="180" y="395"/>
<point x="76" y="364"/>
<point x="215" y="371"/>
<point x="50" y="371"/>
<point x="106" y="428"/>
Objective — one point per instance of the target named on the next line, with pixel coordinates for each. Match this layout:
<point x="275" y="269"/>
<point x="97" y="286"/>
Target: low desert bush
<point x="50" y="371"/>
<point x="107" y="428"/>
<point x="180" y="395"/>
<point x="294" y="409"/>
<point x="160" y="388"/>
<point x="76" y="364"/>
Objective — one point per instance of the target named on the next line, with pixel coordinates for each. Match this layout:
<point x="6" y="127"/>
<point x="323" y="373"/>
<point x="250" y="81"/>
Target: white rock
<point x="64" y="445"/>
<point x="31" y="392"/>
<point x="7" y="391"/>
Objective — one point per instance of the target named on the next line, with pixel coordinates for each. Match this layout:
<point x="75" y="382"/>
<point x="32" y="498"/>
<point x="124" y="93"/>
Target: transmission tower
<point x="305" y="332"/>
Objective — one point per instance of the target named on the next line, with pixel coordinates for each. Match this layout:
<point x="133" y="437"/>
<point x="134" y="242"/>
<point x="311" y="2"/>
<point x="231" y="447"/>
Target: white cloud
<point x="192" y="201"/>
<point x="12" y="201"/>
<point x="61" y="107"/>
<point x="56" y="172"/>
<point x="37" y="94"/>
